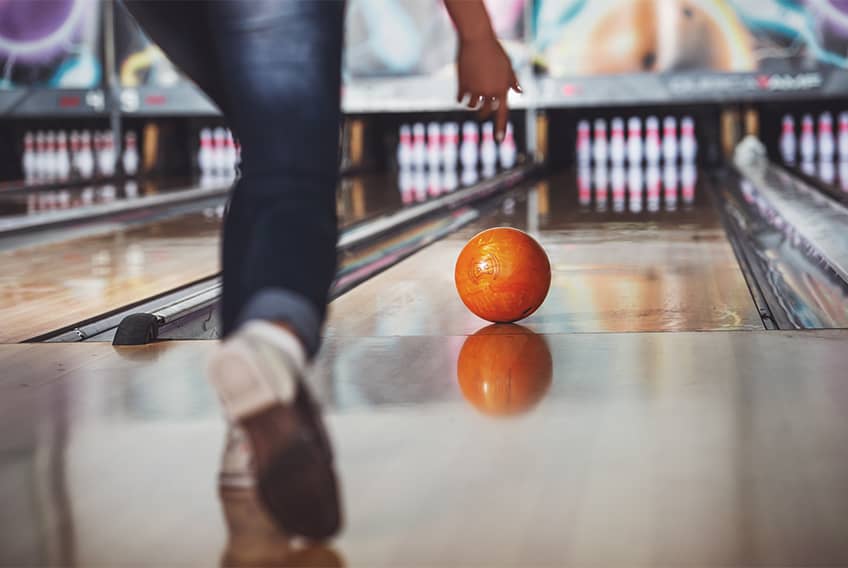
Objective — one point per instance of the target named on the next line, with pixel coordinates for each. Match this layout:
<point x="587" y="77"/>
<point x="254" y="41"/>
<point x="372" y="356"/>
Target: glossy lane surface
<point x="664" y="270"/>
<point x="47" y="286"/>
<point x="726" y="448"/>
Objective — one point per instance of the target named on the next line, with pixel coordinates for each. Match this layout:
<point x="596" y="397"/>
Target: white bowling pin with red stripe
<point x="599" y="142"/>
<point x="434" y="145"/>
<point x="634" y="140"/>
<point x="808" y="139"/>
<point x="468" y="150"/>
<point x="617" y="149"/>
<point x="506" y="150"/>
<point x="584" y="185"/>
<point x="404" y="149"/>
<point x="488" y="149"/>
<point x="826" y="145"/>
<point x="652" y="140"/>
<point x="28" y="158"/>
<point x="688" y="143"/>
<point x="584" y="143"/>
<point x="787" y="139"/>
<point x="450" y="145"/>
<point x="669" y="139"/>
<point x="419" y="145"/>
<point x="842" y="140"/>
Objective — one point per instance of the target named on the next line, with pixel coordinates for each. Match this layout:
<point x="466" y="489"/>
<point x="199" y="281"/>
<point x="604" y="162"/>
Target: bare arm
<point x="484" y="71"/>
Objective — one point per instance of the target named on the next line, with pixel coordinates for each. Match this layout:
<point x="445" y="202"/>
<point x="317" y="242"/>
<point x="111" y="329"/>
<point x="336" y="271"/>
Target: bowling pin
<point x="419" y="145"/>
<point x="583" y="143"/>
<point x="468" y="149"/>
<point x="670" y="186"/>
<point x="619" y="187"/>
<point x="419" y="177"/>
<point x="808" y="142"/>
<point x="434" y="145"/>
<point x="808" y="167"/>
<point x="469" y="175"/>
<point x="601" y="190"/>
<point x="450" y="179"/>
<point x="131" y="189"/>
<point x="584" y="185"/>
<point x="434" y="182"/>
<point x="688" y="179"/>
<point x="450" y="145"/>
<point x="404" y="149"/>
<point x="669" y="139"/>
<point x="108" y="157"/>
<point x="617" y="149"/>
<point x="204" y="153"/>
<point x="405" y="185"/>
<point x="599" y="142"/>
<point x="231" y="154"/>
<point x="826" y="144"/>
<point x="63" y="160"/>
<point x="634" y="140"/>
<point x="636" y="200"/>
<point x="652" y="140"/>
<point x="488" y="149"/>
<point x="85" y="163"/>
<point x="842" y="140"/>
<point x="634" y="179"/>
<point x="787" y="139"/>
<point x="129" y="161"/>
<point x="827" y="171"/>
<point x="28" y="158"/>
<point x="75" y="152"/>
<point x="219" y="151"/>
<point x="506" y="150"/>
<point x="50" y="155"/>
<point x="688" y="142"/>
<point x="652" y="187"/>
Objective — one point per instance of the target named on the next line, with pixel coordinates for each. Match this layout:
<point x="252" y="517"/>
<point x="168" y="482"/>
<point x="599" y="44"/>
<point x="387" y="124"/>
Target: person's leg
<point x="281" y="63"/>
<point x="274" y="68"/>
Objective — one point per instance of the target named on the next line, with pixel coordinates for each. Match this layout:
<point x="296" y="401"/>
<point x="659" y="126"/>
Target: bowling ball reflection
<point x="504" y="369"/>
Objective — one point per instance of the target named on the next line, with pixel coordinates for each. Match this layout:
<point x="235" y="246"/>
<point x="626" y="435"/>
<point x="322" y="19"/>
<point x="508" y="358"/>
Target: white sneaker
<point x="257" y="374"/>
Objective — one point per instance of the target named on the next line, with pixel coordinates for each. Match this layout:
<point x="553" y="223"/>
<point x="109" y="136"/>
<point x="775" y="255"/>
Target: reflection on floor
<point x="502" y="448"/>
<point x="829" y="172"/>
<point x="417" y="185"/>
<point x="41" y="202"/>
<point x="636" y="188"/>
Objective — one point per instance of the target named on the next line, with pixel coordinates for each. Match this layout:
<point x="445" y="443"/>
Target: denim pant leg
<point x="277" y="67"/>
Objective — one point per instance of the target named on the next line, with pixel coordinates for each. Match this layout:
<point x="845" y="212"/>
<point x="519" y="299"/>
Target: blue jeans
<point x="273" y="67"/>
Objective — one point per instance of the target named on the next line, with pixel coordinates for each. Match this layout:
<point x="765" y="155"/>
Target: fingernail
<point x="499" y="136"/>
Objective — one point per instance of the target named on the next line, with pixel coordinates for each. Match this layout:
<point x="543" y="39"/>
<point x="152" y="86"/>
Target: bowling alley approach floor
<point x="642" y="417"/>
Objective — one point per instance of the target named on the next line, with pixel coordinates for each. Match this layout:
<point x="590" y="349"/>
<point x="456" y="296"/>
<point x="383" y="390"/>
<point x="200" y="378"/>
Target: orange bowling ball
<point x="502" y="275"/>
<point x="504" y="369"/>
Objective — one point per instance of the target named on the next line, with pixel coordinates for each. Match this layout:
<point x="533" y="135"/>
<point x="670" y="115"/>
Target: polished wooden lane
<point x="48" y="286"/>
<point x="646" y="271"/>
<point x="54" y="285"/>
<point x="618" y="449"/>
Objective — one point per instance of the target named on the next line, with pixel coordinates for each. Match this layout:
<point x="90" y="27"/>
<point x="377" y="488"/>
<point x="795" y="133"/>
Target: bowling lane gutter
<point x="17" y="226"/>
<point x="194" y="304"/>
<point x="782" y="230"/>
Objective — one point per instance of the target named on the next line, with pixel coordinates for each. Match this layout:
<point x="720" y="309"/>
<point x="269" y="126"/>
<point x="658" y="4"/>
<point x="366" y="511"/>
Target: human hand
<point x="485" y="76"/>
